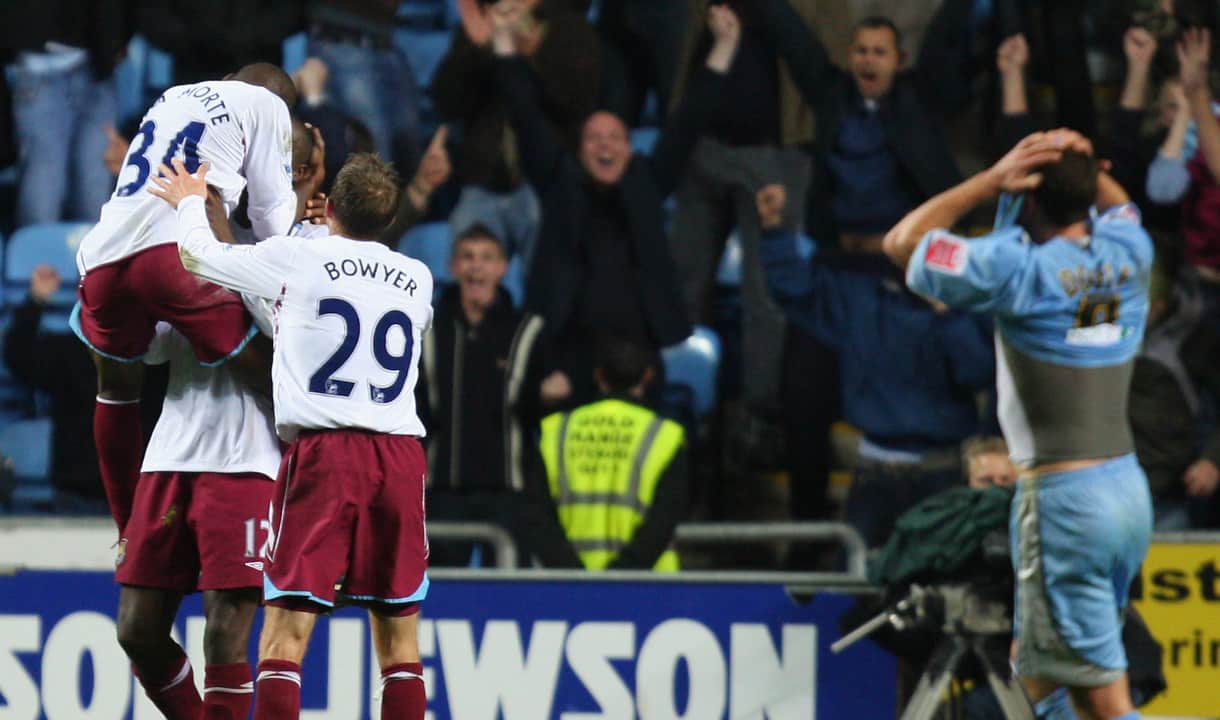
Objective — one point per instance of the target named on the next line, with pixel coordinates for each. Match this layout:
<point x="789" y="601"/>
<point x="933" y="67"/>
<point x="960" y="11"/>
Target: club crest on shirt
<point x="946" y="254"/>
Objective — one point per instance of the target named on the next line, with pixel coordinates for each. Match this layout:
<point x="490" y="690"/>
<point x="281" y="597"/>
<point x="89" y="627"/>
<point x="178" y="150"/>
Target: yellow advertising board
<point x="1178" y="594"/>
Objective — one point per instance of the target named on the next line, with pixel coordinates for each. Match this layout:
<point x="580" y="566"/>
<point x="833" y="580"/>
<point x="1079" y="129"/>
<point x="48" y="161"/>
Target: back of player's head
<point x="622" y="363"/>
<point x="1068" y="189"/>
<point x="365" y="196"/>
<point x="271" y="77"/>
<point x="302" y="143"/>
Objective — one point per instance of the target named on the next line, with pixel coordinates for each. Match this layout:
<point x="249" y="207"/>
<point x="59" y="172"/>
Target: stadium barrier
<point x="512" y="644"/>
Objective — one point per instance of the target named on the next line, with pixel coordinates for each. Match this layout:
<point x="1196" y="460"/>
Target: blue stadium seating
<point x="694" y="364"/>
<point x="644" y="139"/>
<point x="728" y="273"/>
<point x="514" y="280"/>
<point x="430" y="243"/>
<point x="28" y="444"/>
<point x="33" y="245"/>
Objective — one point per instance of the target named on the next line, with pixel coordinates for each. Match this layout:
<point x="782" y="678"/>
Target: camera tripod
<point x="968" y="622"/>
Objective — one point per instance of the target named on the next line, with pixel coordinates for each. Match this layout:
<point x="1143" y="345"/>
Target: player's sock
<point x="1056" y="706"/>
<point x="402" y="692"/>
<point x="277" y="696"/>
<point x="173" y="692"/>
<point x="228" y="691"/>
<point x="120" y="448"/>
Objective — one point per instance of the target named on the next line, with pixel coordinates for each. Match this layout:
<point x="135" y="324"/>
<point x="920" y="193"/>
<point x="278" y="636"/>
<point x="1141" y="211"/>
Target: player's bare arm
<point x="1015" y="172"/>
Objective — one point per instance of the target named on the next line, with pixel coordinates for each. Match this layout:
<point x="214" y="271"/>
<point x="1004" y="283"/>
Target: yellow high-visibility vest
<point x="603" y="462"/>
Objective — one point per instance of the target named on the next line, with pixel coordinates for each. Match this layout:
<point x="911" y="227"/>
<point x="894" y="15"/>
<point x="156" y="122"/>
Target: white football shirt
<point x="349" y="318"/>
<point x="209" y="421"/>
<point x="243" y="130"/>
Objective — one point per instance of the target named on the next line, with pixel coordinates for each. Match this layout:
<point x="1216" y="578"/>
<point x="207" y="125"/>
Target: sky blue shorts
<point x="1078" y="539"/>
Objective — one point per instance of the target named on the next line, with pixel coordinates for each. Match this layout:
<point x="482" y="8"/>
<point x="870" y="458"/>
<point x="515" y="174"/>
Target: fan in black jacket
<point x="602" y="262"/>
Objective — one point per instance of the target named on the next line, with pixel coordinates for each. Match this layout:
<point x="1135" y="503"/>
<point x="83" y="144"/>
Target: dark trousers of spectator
<point x="499" y="508"/>
<point x="881" y="492"/>
<point x="718" y="192"/>
<point x="811" y="405"/>
<point x="641" y="46"/>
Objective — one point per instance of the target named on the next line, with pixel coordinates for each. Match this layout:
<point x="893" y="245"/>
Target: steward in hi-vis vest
<point x="616" y="470"/>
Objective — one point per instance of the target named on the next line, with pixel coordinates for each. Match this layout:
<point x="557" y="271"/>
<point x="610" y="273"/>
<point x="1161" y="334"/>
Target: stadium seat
<point x="644" y="139"/>
<point x="430" y="244"/>
<point x="28" y="444"/>
<point x="514" y="280"/>
<point x="694" y="364"/>
<point x="424" y="50"/>
<point x="296" y="49"/>
<point x="51" y="243"/>
<point x="728" y="273"/>
<point x="421" y="13"/>
<point x="16" y="400"/>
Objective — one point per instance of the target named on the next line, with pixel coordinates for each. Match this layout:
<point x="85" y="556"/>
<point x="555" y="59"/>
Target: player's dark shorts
<point x="121" y="303"/>
<point x="348" y="524"/>
<point x="1078" y="538"/>
<point x="188" y="531"/>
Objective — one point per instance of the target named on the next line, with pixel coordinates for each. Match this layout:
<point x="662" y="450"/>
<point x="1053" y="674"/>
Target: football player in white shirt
<point x="349" y="498"/>
<point x="131" y="277"/>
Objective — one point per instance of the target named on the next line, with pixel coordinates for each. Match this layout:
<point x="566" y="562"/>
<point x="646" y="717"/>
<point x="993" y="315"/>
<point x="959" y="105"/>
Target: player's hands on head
<point x="1017" y="171"/>
<point x="44" y="282"/>
<point x="1194" y="54"/>
<point x="1139" y="46"/>
<point x="174" y="184"/>
<point x="1013" y="54"/>
<point x="1201" y="478"/>
<point x="770" y="202"/>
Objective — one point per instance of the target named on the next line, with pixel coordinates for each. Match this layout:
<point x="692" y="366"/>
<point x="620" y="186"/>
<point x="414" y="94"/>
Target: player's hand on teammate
<point x="315" y="209"/>
<point x="175" y="184"/>
<point x="1139" y="46"/>
<point x="44" y="282"/>
<point x="770" y="203"/>
<point x="1201" y="478"/>
<point x="1012" y="55"/>
<point x="1194" y="53"/>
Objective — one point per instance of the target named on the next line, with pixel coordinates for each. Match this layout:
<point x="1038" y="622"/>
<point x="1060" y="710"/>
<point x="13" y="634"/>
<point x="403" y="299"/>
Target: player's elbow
<point x="897" y="247"/>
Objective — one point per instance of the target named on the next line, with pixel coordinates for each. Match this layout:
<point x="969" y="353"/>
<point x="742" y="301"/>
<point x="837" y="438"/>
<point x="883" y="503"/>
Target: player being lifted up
<point x="1068" y="286"/>
<point x="349" y="498"/>
<point x="199" y="513"/>
<point x="130" y="273"/>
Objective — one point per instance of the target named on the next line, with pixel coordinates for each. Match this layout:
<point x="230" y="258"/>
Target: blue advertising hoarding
<point x="511" y="649"/>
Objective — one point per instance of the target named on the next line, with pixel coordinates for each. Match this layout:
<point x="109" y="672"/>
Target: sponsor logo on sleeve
<point x="946" y="254"/>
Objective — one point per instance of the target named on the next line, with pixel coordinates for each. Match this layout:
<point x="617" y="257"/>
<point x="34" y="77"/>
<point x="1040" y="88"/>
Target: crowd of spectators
<point x="803" y="128"/>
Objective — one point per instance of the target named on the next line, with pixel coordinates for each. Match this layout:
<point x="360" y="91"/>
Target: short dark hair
<point x="1068" y="189"/>
<point x="365" y="196"/>
<point x="271" y="77"/>
<point x="302" y="143"/>
<point x="876" y="22"/>
<point x="622" y="361"/>
<point x="479" y="231"/>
